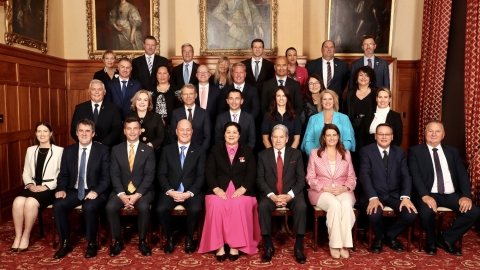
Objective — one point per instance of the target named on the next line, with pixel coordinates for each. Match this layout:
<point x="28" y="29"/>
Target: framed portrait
<point x="121" y="26"/>
<point x="349" y="21"/>
<point x="26" y="23"/>
<point x="229" y="26"/>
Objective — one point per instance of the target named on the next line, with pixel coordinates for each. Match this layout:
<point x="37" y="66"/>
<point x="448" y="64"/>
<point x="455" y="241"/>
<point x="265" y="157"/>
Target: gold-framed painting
<point x="349" y="21"/>
<point x="229" y="26"/>
<point x="26" y="23"/>
<point x="121" y="26"/>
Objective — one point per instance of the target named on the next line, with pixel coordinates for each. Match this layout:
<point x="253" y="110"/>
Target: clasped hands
<point x="464" y="203"/>
<point x="34" y="188"/>
<point x="220" y="193"/>
<point x="335" y="190"/>
<point x="179" y="196"/>
<point x="280" y="200"/>
<point x="129" y="200"/>
<point x="92" y="195"/>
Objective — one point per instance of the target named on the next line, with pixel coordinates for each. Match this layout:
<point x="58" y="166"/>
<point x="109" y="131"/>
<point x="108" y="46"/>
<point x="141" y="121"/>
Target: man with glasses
<point x="208" y="94"/>
<point x="386" y="181"/>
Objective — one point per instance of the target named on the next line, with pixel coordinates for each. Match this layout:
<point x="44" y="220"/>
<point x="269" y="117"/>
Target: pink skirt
<point x="232" y="221"/>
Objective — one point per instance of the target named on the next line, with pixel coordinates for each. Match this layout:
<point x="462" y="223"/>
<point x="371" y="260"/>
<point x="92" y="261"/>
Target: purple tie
<point x="438" y="170"/>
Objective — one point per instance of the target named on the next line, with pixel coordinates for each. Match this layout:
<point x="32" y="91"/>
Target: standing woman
<point x="42" y="165"/>
<point x="295" y="71"/>
<point x="109" y="72"/>
<point x="222" y="75"/>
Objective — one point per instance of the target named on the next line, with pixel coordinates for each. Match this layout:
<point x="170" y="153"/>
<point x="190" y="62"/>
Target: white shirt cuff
<point x="404" y="196"/>
<point x="120" y="193"/>
<point x="270" y="194"/>
<point x="291" y="194"/>
<point x="372" y="198"/>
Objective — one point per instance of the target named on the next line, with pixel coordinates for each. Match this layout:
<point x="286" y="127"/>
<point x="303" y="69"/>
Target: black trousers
<point x="299" y="211"/>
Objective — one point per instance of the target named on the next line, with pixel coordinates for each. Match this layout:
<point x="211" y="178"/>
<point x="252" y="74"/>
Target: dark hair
<point x="367" y="37"/>
<point x="323" y="144"/>
<point x="229" y="124"/>
<point x="149" y="37"/>
<point x="330" y="41"/>
<point x="383" y="125"/>
<point x="131" y="119"/>
<point x="288" y="106"/>
<point x="370" y="73"/>
<point x="308" y="94"/>
<point x="86" y="122"/>
<point x="286" y="53"/>
<point x="43" y="123"/>
<point x="257" y="40"/>
<point x="233" y="90"/>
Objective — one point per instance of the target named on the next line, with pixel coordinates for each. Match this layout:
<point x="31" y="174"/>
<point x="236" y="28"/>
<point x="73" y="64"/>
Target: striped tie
<point x="149" y="62"/>
<point x="131" y="157"/>
<point x="329" y="74"/>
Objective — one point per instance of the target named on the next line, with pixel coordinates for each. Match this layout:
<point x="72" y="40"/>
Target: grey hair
<point x="282" y="128"/>
<point x="189" y="86"/>
<point x="96" y="81"/>
<point x="188" y="44"/>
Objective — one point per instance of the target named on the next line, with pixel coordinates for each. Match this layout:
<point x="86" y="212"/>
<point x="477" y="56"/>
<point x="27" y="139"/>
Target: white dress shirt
<point x="98" y="108"/>
<point x="447" y="177"/>
<point x="275" y="151"/>
<point x="284" y="80"/>
<point x="239" y="86"/>
<point x="325" y="70"/>
<point x="80" y="151"/>
<point x="193" y="110"/>
<point x="237" y="113"/>
<point x="190" y="65"/>
<point x="365" y="61"/>
<point x="135" y="147"/>
<point x="259" y="65"/>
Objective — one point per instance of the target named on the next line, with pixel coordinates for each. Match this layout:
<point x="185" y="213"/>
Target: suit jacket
<point x="379" y="182"/>
<point x="114" y="95"/>
<point x="271" y="86"/>
<point x="246" y="122"/>
<point x="319" y="174"/>
<point x="213" y="100"/>
<point x="109" y="123"/>
<point x="242" y="171"/>
<point x="98" y="168"/>
<point x="141" y="74"/>
<point x="176" y="77"/>
<point x="381" y="71"/>
<point x="266" y="73"/>
<point x="393" y="119"/>
<point x="422" y="170"/>
<point x="153" y="130"/>
<point x="171" y="174"/>
<point x="293" y="172"/>
<point x="143" y="171"/>
<point x="340" y="74"/>
<point x="251" y="101"/>
<point x="51" y="167"/>
<point x="103" y="76"/>
<point x="202" y="127"/>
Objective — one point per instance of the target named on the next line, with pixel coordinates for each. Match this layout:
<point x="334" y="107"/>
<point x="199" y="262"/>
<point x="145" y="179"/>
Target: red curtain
<point x="435" y="32"/>
<point x="472" y="94"/>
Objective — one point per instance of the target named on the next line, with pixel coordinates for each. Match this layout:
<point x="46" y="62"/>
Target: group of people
<point x="236" y="143"/>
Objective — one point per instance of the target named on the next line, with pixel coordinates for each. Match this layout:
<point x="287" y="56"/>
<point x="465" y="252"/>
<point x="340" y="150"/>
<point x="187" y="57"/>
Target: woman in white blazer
<point x="40" y="172"/>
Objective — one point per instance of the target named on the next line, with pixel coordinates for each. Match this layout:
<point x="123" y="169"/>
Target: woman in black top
<point x="312" y="97"/>
<point x="109" y="72"/>
<point x="222" y="76"/>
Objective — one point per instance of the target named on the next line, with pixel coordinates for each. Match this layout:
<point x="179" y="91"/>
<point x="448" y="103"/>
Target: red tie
<point x="279" y="173"/>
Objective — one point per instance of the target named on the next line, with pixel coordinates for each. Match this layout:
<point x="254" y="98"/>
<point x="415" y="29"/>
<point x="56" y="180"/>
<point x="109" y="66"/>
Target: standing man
<point x="83" y="180"/>
<point x="386" y="182"/>
<point x="121" y="90"/>
<point x="440" y="180"/>
<point x="258" y="69"/>
<point x="132" y="170"/>
<point x="280" y="180"/>
<point x="369" y="59"/>
<point x="209" y="94"/>
<point x="185" y="73"/>
<point x="181" y="175"/>
<point x="105" y="115"/>
<point x="144" y="67"/>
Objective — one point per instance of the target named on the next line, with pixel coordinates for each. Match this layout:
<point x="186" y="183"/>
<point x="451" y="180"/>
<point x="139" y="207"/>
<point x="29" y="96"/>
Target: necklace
<point x="40" y="152"/>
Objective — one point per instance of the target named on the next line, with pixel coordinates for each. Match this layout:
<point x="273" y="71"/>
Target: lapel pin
<point x="242" y="159"/>
<point x="335" y="64"/>
<point x="142" y="150"/>
<point x="376" y="63"/>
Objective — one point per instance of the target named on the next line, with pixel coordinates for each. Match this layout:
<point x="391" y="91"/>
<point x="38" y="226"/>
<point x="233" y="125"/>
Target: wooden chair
<point x="132" y="212"/>
<point x="179" y="210"/>
<point x="319" y="212"/>
<point x="442" y="212"/>
<point x="389" y="212"/>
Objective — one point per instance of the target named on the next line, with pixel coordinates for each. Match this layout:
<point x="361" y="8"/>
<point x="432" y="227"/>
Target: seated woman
<point x="332" y="180"/>
<point x="222" y="75"/>
<point x="42" y="165"/>
<point x="231" y="207"/>
<point x="295" y="71"/>
<point x="109" y="71"/>
<point x="311" y="99"/>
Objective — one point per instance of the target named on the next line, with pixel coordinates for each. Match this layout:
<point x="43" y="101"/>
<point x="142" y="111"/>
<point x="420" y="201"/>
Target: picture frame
<point x="369" y="17"/>
<point x="26" y="23"/>
<point x="226" y="30"/>
<point x="121" y="26"/>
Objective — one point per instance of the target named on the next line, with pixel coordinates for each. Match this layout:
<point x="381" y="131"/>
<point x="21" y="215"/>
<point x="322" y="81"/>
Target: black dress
<point x="102" y="75"/>
<point x="164" y="104"/>
<point x="294" y="126"/>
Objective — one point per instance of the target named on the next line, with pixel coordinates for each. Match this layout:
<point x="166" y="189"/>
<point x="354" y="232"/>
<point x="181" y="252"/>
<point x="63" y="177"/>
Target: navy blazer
<point x="141" y="73"/>
<point x="98" y="168"/>
<point x="171" y="174"/>
<point x="340" y="77"/>
<point x="381" y="71"/>
<point x="201" y="125"/>
<point x="176" y="77"/>
<point x="380" y="182"/>
<point x="266" y="73"/>
<point x="213" y="100"/>
<point x="115" y="95"/>
<point x="251" y="101"/>
<point x="246" y="122"/>
<point x="270" y="87"/>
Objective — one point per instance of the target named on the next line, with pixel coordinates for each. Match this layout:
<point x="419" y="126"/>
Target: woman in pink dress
<point x="231" y="207"/>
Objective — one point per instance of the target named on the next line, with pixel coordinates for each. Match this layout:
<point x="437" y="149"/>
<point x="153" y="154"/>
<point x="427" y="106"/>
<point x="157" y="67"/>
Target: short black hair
<point x="233" y="90"/>
<point x="229" y="124"/>
<point x="257" y="40"/>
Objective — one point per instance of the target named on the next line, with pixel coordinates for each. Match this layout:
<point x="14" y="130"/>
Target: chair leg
<point x="369" y="235"/>
<point x="149" y="232"/>
<point x="354" y="235"/>
<point x="99" y="230"/>
<point x="40" y="223"/>
<point x="54" y="233"/>
<point x="409" y="238"/>
<point x="315" y="234"/>
<point x="160" y="234"/>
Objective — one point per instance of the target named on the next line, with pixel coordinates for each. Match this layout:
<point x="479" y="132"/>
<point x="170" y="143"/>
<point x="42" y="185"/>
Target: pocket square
<point x="293" y="162"/>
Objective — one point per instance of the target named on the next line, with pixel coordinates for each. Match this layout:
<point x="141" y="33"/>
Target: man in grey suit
<point x="132" y="171"/>
<point x="280" y="180"/>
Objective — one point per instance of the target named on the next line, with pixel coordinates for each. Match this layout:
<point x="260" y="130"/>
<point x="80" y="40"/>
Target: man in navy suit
<point x="208" y="94"/>
<point x="181" y="175"/>
<point x="83" y="180"/>
<point x="440" y="180"/>
<point x="235" y="114"/>
<point x="386" y="182"/>
<point x="199" y="118"/>
<point x="144" y="67"/>
<point x="369" y="59"/>
<point x="121" y="90"/>
<point x="258" y="69"/>
<point x="185" y="73"/>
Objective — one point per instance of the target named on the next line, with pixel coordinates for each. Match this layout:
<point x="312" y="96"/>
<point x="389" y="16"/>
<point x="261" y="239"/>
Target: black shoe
<point x="65" y="248"/>
<point x="393" y="244"/>
<point x="189" y="245"/>
<point x="91" y="250"/>
<point x="221" y="258"/>
<point x="431" y="249"/>
<point x="268" y="254"/>
<point x="299" y="256"/>
<point x="169" y="246"/>
<point x="144" y="248"/>
<point x="232" y="257"/>
<point x="376" y="246"/>
<point x="116" y="248"/>
<point x="13" y="250"/>
<point x="451" y="249"/>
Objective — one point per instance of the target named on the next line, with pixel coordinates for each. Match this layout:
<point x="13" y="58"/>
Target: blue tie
<point x="182" y="159"/>
<point x="81" y="176"/>
<point x="185" y="74"/>
<point x="124" y="88"/>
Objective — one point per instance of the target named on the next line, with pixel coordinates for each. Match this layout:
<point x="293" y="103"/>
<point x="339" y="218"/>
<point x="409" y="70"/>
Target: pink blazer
<point x="319" y="174"/>
<point x="302" y="75"/>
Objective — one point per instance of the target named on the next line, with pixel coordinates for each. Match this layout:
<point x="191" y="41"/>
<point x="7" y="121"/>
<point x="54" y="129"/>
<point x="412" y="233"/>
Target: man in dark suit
<point x="235" y="114"/>
<point x="258" y="69"/>
<point x="386" y="182"/>
<point x="144" y="67"/>
<point x="121" y="90"/>
<point x="132" y="170"/>
<point x="185" y="73"/>
<point x="369" y="59"/>
<point x="83" y="180"/>
<point x="284" y="189"/>
<point x="440" y="180"/>
<point x="181" y="175"/>
<point x="208" y="94"/>
<point x="270" y="87"/>
<point x="105" y="115"/>
<point x="199" y="118"/>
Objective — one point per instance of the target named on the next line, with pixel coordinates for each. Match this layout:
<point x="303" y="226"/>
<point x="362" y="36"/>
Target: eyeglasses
<point x="313" y="83"/>
<point x="384" y="134"/>
<point x="203" y="71"/>
<point x="368" y="45"/>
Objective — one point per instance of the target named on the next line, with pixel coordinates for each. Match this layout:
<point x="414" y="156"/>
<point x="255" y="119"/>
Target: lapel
<point x="249" y="68"/>
<point x="379" y="158"/>
<point x="271" y="155"/>
<point x="75" y="163"/>
<point x="91" y="157"/>
<point x="127" y="92"/>
<point x="450" y="161"/>
<point x="240" y="119"/>
<point x="118" y="90"/>
<point x="286" y="160"/>
<point x="139" y="155"/>
<point x="325" y="164"/>
<point x="236" y="158"/>
<point x="101" y="109"/>
<point x="147" y="118"/>
<point x="338" y="161"/>
<point x="188" y="156"/>
<point x="335" y="68"/>
<point x="428" y="159"/>
<point x="391" y="159"/>
<point x="376" y="64"/>
<point x="224" y="155"/>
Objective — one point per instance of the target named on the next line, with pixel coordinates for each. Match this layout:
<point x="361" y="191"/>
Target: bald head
<point x="184" y="131"/>
<point x="281" y="66"/>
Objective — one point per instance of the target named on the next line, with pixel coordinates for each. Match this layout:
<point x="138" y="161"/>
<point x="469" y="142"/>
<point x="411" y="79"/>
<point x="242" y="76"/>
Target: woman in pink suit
<point x="296" y="72"/>
<point x="231" y="207"/>
<point x="332" y="180"/>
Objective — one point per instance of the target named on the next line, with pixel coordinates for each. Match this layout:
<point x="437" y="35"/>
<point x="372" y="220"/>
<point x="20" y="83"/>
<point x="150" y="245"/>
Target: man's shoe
<point x="144" y="248"/>
<point x="393" y="244"/>
<point x="91" y="250"/>
<point x="376" y="246"/>
<point x="116" y="248"/>
<point x="169" y="246"/>
<point x="451" y="249"/>
<point x="65" y="248"/>
<point x="299" y="256"/>
<point x="268" y="254"/>
<point x="189" y="245"/>
<point x="430" y="249"/>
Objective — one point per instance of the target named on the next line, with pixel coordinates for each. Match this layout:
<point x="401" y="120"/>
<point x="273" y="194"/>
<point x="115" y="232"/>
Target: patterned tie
<point x="256" y="70"/>
<point x="149" y="62"/>
<point x="131" y="158"/>
<point x="95" y="114"/>
<point x="239" y="88"/>
<point x="385" y="159"/>
<point x="281" y="82"/>
<point x="182" y="160"/>
<point x="329" y="74"/>
<point x="81" y="175"/>
<point x="369" y="63"/>
<point x="124" y="88"/>
<point x="438" y="170"/>
<point x="203" y="98"/>
<point x="190" y="118"/>
<point x="235" y="117"/>
<point x="231" y="155"/>
<point x="279" y="184"/>
<point x="185" y="74"/>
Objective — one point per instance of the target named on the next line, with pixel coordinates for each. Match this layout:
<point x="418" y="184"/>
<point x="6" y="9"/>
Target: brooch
<point x="143" y="130"/>
<point x="242" y="159"/>
<point x="144" y="138"/>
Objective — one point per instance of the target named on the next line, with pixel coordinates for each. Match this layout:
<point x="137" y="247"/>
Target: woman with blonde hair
<point x="223" y="73"/>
